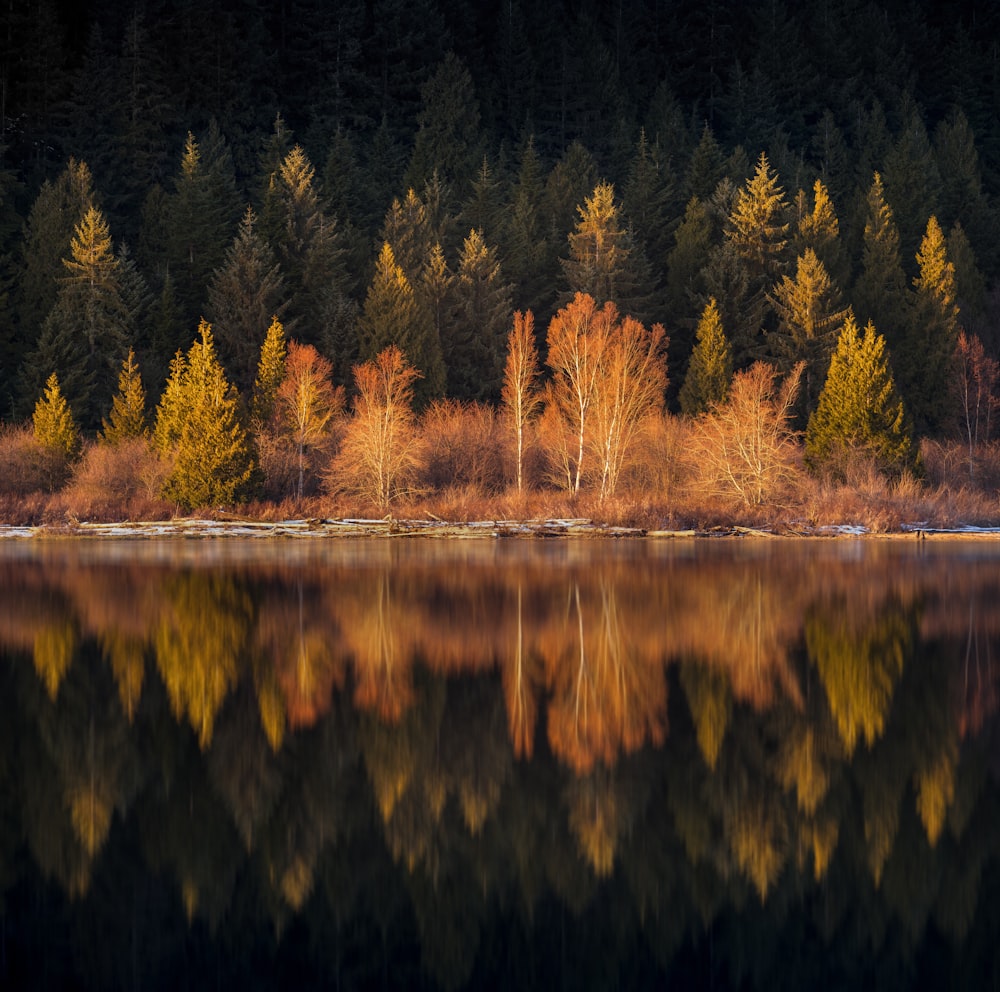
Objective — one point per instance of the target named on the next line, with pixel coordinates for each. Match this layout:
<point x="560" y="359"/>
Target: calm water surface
<point x="475" y="763"/>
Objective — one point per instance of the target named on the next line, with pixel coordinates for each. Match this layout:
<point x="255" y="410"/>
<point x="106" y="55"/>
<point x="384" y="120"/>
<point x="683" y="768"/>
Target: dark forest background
<point x="502" y="117"/>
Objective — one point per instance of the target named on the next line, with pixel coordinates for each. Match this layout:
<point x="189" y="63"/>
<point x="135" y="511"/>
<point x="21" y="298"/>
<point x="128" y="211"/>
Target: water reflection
<point x="421" y="760"/>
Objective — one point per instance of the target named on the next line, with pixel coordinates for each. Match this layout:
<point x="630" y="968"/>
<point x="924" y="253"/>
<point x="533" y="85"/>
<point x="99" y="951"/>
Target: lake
<point x="401" y="763"/>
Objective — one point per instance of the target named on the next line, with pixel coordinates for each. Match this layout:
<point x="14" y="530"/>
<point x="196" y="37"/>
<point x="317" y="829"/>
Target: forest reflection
<point x="689" y="731"/>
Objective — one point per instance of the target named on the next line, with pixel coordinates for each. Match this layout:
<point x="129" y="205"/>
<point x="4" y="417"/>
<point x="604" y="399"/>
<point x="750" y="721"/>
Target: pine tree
<point x="859" y="412"/>
<point x="198" y="428"/>
<point x="306" y="241"/>
<point x="880" y="294"/>
<point x="88" y="333"/>
<point x="53" y="423"/>
<point x="482" y="315"/>
<point x="928" y="358"/>
<point x="243" y="296"/>
<point x="809" y="312"/>
<point x="392" y="315"/>
<point x="598" y="249"/>
<point x="270" y="372"/>
<point x="127" y="418"/>
<point x="758" y="225"/>
<point x="711" y="366"/>
<point x="55" y="213"/>
<point x="448" y="140"/>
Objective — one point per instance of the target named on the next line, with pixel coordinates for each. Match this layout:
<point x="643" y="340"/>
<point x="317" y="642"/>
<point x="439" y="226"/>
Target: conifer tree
<point x="198" y="429"/>
<point x="928" y="359"/>
<point x="53" y="423"/>
<point x="203" y="212"/>
<point x="392" y="315"/>
<point x="809" y="311"/>
<point x="270" y="372"/>
<point x="88" y="333"/>
<point x="598" y="249"/>
<point x="306" y="240"/>
<point x="758" y="224"/>
<point x="127" y="418"/>
<point x="818" y="228"/>
<point x="55" y="213"/>
<point x="243" y="296"/>
<point x="880" y="294"/>
<point x="482" y="313"/>
<point x="528" y="249"/>
<point x="859" y="410"/>
<point x="711" y="366"/>
<point x="448" y="141"/>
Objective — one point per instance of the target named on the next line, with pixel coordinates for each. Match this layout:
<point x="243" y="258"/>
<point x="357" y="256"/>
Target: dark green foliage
<point x="243" y="297"/>
<point x="507" y="116"/>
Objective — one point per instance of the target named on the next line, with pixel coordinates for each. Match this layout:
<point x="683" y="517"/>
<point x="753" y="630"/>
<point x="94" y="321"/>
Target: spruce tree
<point x="392" y="315"/>
<point x="243" y="296"/>
<point x="711" y="367"/>
<point x="270" y="372"/>
<point x="127" y="418"/>
<point x="198" y="428"/>
<point x="53" y="423"/>
<point x="859" y="410"/>
<point x="928" y="361"/>
<point x="474" y="349"/>
<point x="89" y="331"/>
<point x="880" y="294"/>
<point x="598" y="249"/>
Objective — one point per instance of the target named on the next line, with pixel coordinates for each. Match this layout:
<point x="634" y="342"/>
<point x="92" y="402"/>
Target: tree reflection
<point x="201" y="632"/>
<point x="357" y="747"/>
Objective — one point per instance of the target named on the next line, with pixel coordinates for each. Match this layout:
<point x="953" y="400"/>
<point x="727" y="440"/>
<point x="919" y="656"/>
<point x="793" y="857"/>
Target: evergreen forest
<point x="560" y="247"/>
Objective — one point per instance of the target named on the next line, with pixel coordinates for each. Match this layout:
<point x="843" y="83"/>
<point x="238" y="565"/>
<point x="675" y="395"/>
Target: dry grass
<point x="25" y="466"/>
<point x="115" y="482"/>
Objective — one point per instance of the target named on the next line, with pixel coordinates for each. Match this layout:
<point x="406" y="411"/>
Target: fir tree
<point x="53" y="423"/>
<point x="928" y="359"/>
<point x="243" y="296"/>
<point x="711" y="367"/>
<point x="392" y="315"/>
<point x="880" y="293"/>
<point x="809" y="311"/>
<point x="127" y="418"/>
<point x="270" y="372"/>
<point x="198" y="428"/>
<point x="483" y="309"/>
<point x="859" y="412"/>
<point x="88" y="333"/>
<point x="598" y="248"/>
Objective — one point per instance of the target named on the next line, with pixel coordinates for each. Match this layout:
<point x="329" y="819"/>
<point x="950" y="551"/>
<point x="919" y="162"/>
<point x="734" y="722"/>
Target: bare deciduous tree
<point x="747" y="446"/>
<point x="631" y="388"/>
<point x="978" y="376"/>
<point x="521" y="397"/>
<point x="306" y="402"/>
<point x="379" y="455"/>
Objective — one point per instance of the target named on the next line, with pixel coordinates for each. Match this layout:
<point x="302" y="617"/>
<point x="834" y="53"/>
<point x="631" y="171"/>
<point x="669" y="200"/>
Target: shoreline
<point x="232" y="527"/>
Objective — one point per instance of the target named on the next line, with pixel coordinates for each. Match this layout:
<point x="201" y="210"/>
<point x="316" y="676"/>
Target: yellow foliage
<point x="128" y="665"/>
<point x="90" y="812"/>
<point x="802" y="769"/>
<point x="53" y="653"/>
<point x="297" y="882"/>
<point x="935" y="793"/>
<point x="754" y="840"/>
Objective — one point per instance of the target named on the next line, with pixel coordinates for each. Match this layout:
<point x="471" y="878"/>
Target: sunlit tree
<point x="378" y="457"/>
